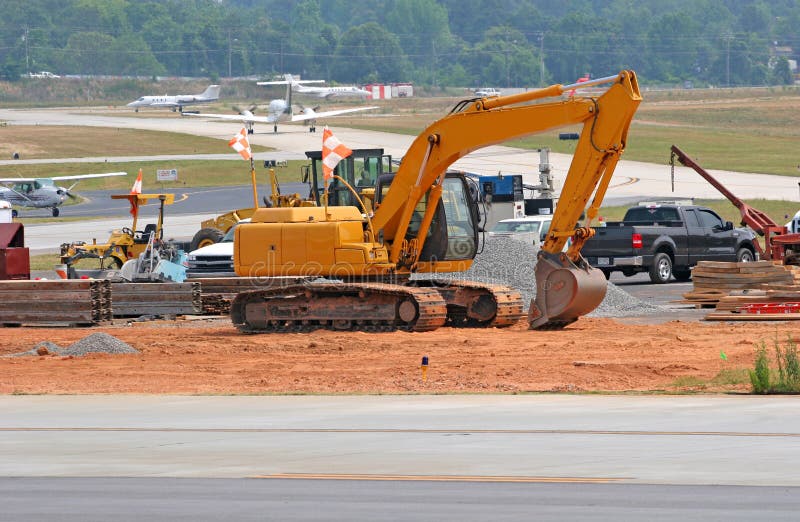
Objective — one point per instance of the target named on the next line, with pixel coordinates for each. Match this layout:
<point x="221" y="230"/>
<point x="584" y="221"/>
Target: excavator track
<point x="371" y="307"/>
<point x="478" y="305"/>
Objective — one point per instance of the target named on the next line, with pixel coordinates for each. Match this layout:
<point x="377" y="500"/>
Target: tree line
<point x="503" y="43"/>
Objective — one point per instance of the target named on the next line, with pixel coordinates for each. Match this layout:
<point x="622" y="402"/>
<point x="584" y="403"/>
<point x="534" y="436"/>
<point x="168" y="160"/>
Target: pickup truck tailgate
<point x="608" y="243"/>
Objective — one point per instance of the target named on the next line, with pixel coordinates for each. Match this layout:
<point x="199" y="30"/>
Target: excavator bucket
<point x="564" y="291"/>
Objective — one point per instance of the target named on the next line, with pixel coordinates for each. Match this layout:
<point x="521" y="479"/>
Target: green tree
<point x="90" y="53"/>
<point x="424" y="32"/>
<point x="133" y="57"/>
<point x="369" y="53"/>
<point x="781" y="72"/>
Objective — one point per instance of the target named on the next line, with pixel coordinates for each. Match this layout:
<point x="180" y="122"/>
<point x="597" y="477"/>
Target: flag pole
<point x="253" y="181"/>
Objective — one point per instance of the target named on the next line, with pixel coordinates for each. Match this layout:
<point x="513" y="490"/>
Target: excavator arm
<point x="568" y="287"/>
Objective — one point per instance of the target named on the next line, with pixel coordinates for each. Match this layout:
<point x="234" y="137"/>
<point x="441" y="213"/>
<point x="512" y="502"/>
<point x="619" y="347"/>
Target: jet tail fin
<point x="211" y="92"/>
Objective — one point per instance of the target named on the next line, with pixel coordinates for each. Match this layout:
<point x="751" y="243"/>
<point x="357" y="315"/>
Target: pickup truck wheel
<point x="661" y="270"/>
<point x="205" y="237"/>
<point x="744" y="255"/>
<point x="682" y="274"/>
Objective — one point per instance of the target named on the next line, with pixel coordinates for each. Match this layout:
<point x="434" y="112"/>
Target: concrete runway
<point x="748" y="441"/>
<point x="399" y="458"/>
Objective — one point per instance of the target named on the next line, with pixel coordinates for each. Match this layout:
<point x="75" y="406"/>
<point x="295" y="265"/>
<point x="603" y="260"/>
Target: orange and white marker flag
<point x="241" y="145"/>
<point x="137" y="185"/>
<point x="332" y="153"/>
<point x="136" y="189"/>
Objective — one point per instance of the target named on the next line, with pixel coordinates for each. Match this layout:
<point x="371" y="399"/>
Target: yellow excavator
<point x="425" y="220"/>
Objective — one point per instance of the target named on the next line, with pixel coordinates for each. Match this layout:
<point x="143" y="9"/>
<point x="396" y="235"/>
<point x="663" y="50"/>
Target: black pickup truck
<point x="666" y="241"/>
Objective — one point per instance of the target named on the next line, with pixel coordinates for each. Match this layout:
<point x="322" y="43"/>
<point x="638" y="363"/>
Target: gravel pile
<point x="95" y="343"/>
<point x="508" y="262"/>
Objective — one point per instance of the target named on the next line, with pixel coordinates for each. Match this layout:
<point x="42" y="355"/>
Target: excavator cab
<point x="361" y="170"/>
<point x="453" y="233"/>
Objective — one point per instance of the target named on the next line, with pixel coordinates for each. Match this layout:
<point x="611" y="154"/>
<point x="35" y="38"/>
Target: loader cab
<point x="453" y="234"/>
<point x="361" y="170"/>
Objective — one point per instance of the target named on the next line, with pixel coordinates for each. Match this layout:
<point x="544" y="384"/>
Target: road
<point x="388" y="458"/>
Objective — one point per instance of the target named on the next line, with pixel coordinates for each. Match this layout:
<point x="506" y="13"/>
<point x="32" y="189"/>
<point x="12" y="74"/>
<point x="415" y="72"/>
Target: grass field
<point x="34" y="142"/>
<point x="191" y="173"/>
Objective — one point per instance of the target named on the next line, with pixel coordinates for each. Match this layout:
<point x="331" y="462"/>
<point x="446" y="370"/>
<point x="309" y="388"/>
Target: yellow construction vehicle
<point x="425" y="220"/>
<point x="123" y="244"/>
<point x="361" y="169"/>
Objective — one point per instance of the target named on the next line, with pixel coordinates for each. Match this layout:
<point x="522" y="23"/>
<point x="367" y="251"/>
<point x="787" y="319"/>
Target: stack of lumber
<point x="158" y="299"/>
<point x="218" y="292"/>
<point x="759" y="305"/>
<point x="714" y="280"/>
<point x="71" y="302"/>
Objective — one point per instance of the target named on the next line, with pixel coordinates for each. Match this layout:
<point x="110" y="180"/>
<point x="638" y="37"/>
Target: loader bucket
<point x="565" y="291"/>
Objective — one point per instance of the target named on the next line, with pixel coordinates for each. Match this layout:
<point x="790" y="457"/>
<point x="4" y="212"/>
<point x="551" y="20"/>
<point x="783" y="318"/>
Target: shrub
<point x="759" y="377"/>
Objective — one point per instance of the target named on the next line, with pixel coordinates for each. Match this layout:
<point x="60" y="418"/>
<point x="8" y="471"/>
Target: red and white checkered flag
<point x="241" y="145"/>
<point x="332" y="153"/>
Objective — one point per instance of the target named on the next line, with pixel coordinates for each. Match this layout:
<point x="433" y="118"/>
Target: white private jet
<point x="42" y="192"/>
<point x="177" y="102"/>
<point x="280" y="110"/>
<point x="344" y="91"/>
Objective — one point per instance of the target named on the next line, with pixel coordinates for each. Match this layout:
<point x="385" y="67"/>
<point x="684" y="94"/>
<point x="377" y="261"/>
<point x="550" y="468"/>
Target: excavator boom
<point x="568" y="286"/>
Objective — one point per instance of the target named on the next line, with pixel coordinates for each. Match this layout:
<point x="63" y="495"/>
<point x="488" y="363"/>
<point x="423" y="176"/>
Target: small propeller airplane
<point x="42" y="192"/>
<point x="279" y="110"/>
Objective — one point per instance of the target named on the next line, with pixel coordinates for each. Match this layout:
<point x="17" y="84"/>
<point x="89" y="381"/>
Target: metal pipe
<point x="547" y="92"/>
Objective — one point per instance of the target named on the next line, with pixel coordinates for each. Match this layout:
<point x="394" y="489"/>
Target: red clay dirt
<point x="212" y="357"/>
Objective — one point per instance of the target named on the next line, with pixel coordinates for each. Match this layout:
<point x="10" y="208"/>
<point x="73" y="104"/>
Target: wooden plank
<point x="45" y="316"/>
<point x="719" y="316"/>
<point x="134" y="311"/>
<point x="773" y="276"/>
<point x="729" y="264"/>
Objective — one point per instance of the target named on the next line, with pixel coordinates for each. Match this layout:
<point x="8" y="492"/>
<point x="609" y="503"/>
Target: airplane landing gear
<point x="55" y="212"/>
<point x="275" y="129"/>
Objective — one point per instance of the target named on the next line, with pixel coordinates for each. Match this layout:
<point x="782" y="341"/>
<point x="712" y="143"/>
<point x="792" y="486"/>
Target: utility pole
<point x="27" y="60"/>
<point x="728" y="61"/>
<point x="433" y="68"/>
<point x="541" y="59"/>
<point x="230" y="52"/>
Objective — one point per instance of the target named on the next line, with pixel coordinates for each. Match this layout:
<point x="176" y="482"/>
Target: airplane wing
<point x="326" y="114"/>
<point x="163" y="104"/>
<point x="284" y="82"/>
<point x="17" y="180"/>
<point x="87" y="176"/>
<point x="232" y="117"/>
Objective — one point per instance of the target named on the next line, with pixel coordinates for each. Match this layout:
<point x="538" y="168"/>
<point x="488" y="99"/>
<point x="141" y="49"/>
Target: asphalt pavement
<point x="485" y="457"/>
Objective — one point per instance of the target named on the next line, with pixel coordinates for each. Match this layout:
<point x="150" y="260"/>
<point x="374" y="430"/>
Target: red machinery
<point x="779" y="244"/>
<point x="15" y="260"/>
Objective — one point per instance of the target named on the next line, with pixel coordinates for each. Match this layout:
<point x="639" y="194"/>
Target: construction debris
<point x="99" y="342"/>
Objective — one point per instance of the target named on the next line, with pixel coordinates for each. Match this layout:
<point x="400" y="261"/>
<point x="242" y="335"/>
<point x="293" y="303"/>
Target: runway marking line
<point x="401" y="430"/>
<point x="439" y="478"/>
